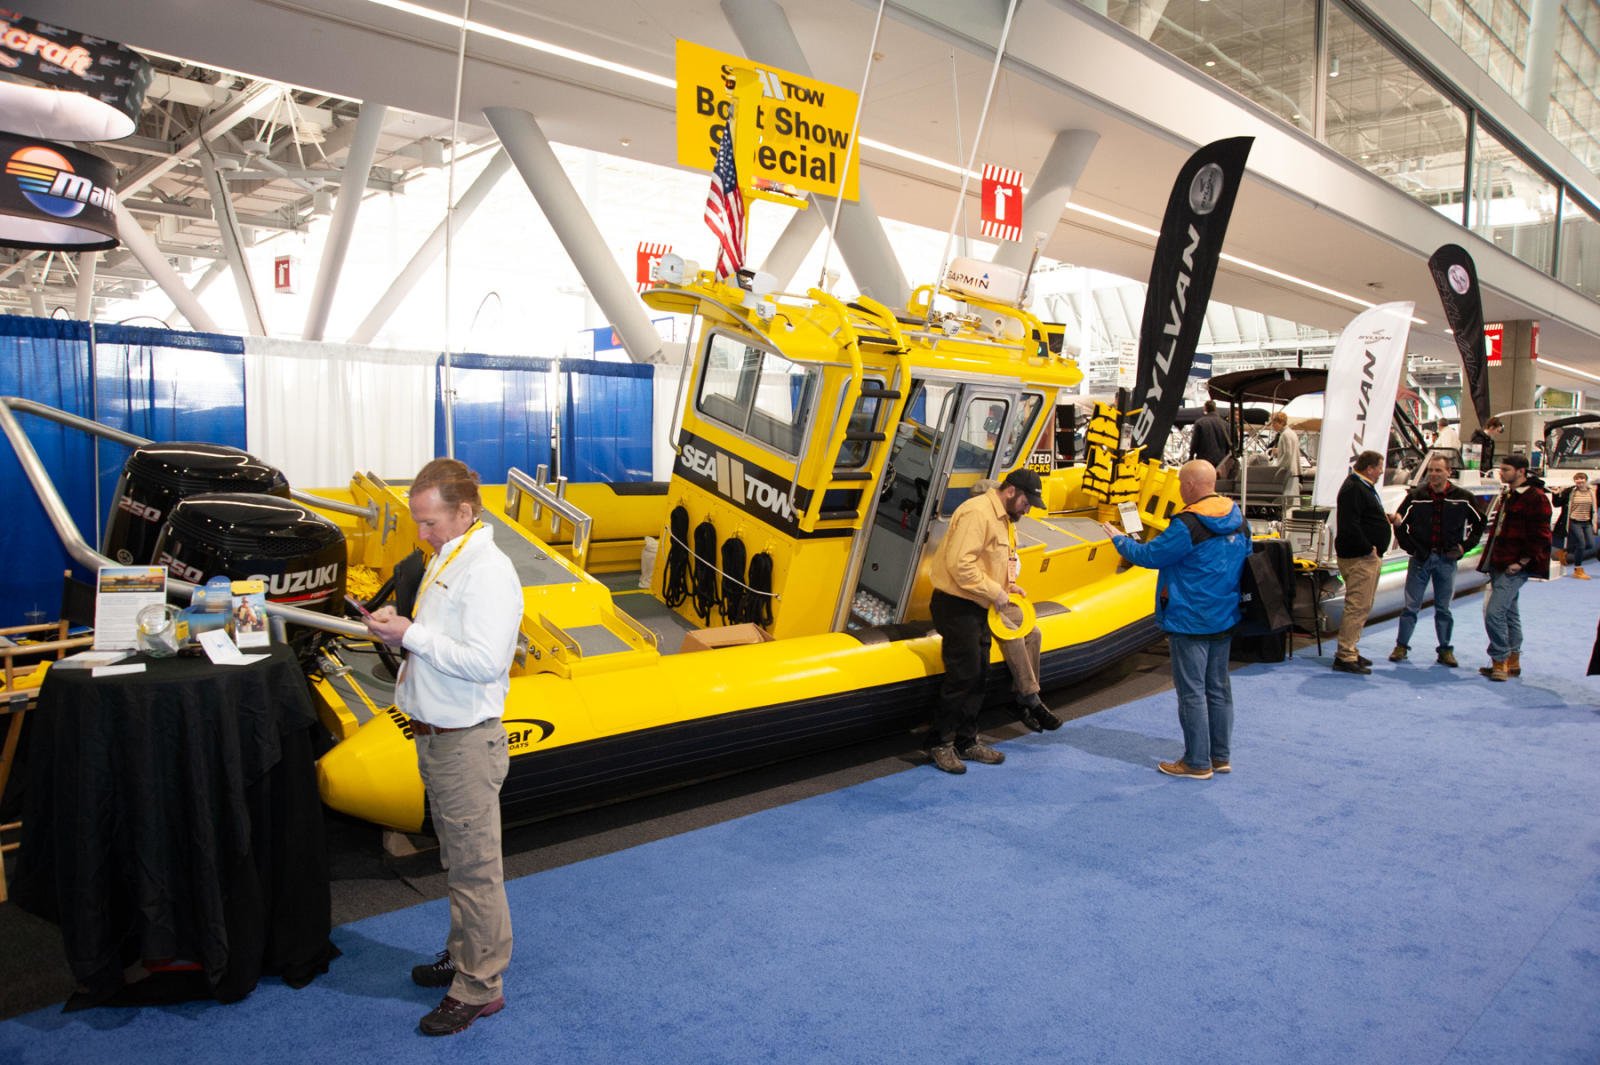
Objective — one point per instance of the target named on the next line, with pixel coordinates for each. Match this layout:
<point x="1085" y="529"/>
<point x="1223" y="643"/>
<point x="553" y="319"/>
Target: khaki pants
<point x="462" y="772"/>
<point x="1360" y="577"/>
<point x="1021" y="656"/>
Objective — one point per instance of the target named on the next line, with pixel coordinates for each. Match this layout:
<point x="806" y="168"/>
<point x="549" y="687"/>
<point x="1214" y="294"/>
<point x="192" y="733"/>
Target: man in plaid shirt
<point x="1518" y="548"/>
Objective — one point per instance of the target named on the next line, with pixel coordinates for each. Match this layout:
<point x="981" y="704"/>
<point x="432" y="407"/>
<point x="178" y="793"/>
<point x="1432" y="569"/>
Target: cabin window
<point x="978" y="438"/>
<point x="1022" y="432"/>
<point x="755" y="392"/>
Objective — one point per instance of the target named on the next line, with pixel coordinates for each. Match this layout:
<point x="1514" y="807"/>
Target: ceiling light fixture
<point x="1571" y="370"/>
<point x="525" y="41"/>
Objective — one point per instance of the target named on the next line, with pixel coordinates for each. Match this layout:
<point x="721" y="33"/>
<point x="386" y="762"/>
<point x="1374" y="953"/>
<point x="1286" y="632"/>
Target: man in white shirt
<point x="453" y="688"/>
<point x="1286" y="451"/>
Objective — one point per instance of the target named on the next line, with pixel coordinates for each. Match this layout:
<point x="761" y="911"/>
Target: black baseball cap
<point x="1027" y="482"/>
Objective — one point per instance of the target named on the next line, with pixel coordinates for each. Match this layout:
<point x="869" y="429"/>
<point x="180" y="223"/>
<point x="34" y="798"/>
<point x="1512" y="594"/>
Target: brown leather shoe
<point x="981" y="753"/>
<point x="1495" y="671"/>
<point x="1180" y="768"/>
<point x="1221" y="767"/>
<point x="944" y="757"/>
<point x="1448" y="658"/>
<point x="1514" y="664"/>
<point x="452" y="1015"/>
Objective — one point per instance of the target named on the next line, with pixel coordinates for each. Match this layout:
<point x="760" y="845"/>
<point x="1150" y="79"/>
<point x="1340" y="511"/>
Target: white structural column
<point x="412" y="272"/>
<point x="83" y="310"/>
<point x="357" y="167"/>
<point x="35" y="283"/>
<point x="763" y="29"/>
<point x="1544" y="24"/>
<point x="233" y="246"/>
<point x="1048" y="193"/>
<point x="619" y="301"/>
<point x="794" y="244"/>
<point x="155" y="264"/>
<point x="212" y="272"/>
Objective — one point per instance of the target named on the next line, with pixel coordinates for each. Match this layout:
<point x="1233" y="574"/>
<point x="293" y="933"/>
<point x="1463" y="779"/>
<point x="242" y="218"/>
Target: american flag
<point x="725" y="209"/>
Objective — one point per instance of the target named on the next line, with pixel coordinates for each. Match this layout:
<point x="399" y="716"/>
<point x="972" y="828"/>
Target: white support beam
<point x="233" y="247"/>
<point x="1539" y="61"/>
<point x="564" y="210"/>
<point x="83" y="305"/>
<point x="1048" y="194"/>
<point x="763" y="30"/>
<point x="144" y="249"/>
<point x="357" y="168"/>
<point x="794" y="244"/>
<point x="214" y="271"/>
<point x="425" y="255"/>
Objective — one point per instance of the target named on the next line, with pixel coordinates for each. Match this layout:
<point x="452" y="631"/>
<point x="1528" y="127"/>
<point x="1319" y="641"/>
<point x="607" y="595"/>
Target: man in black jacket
<point x="1209" y="439"/>
<point x="1361" y="536"/>
<point x="1437" y="523"/>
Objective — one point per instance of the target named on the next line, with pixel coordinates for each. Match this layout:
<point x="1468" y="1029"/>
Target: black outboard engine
<point x="296" y="552"/>
<point x="156" y="476"/>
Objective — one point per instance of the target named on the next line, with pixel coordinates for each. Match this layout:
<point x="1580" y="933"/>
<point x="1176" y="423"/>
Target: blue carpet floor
<point x="1403" y="868"/>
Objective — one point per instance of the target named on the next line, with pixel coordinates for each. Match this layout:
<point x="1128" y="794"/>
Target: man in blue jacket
<point x="1199" y="556"/>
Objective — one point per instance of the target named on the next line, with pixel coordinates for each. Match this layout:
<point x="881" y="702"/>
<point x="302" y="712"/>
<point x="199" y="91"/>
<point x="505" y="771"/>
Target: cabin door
<point x="948" y="441"/>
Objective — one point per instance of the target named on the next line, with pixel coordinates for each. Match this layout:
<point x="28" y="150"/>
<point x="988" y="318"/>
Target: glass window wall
<point x="1386" y="117"/>
<point x="1265" y="50"/>
<point x="1512" y="204"/>
<point x="1580" y="249"/>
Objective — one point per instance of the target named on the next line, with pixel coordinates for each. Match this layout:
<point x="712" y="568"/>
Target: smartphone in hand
<point x="361" y="608"/>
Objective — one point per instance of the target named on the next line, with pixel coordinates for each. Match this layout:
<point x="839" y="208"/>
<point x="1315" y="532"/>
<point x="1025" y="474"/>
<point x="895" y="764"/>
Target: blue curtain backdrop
<point x="152" y="382"/>
<point x="502" y="413"/>
<point x="605" y="435"/>
<point x="502" y="416"/>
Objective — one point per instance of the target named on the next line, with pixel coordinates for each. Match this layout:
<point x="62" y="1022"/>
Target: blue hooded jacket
<point x="1197" y="593"/>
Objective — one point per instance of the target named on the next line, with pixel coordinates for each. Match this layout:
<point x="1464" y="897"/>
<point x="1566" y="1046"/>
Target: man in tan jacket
<point x="971" y="574"/>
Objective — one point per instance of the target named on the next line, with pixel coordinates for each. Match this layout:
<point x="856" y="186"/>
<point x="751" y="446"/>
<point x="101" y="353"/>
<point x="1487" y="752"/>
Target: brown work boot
<point x="1180" y="768"/>
<point x="1577" y="571"/>
<point x="1447" y="657"/>
<point x="1497" y="671"/>
<point x="1514" y="664"/>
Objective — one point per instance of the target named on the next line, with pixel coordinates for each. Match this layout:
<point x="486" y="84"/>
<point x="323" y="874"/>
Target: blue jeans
<point x="1580" y="542"/>
<point x="1205" y="696"/>
<point x="1440" y="572"/>
<point x="1501" y="618"/>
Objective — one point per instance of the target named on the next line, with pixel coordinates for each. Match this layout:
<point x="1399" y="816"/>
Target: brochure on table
<point x="120" y="593"/>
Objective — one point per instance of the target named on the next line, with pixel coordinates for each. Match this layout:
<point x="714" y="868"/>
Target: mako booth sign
<point x="802" y="126"/>
<point x="53" y="197"/>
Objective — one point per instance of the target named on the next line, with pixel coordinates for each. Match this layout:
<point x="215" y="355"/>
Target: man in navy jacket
<point x="1197" y="603"/>
<point x="1361" y="536"/>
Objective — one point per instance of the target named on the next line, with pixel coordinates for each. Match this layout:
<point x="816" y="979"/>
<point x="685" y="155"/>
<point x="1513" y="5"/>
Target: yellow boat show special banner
<point x="801" y="125"/>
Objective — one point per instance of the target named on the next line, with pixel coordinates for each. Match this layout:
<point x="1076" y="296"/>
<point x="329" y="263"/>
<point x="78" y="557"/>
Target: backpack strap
<point x="1199" y="534"/>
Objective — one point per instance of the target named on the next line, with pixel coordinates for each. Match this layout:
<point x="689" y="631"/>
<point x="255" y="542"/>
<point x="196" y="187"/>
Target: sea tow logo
<point x="179" y="569"/>
<point x="300" y="584"/>
<point x="77" y="59"/>
<point x="48" y="181"/>
<point x="140" y="510"/>
<point x="1158" y="377"/>
<point x="1206" y="189"/>
<point x="525" y="733"/>
<point x="1460" y="281"/>
<point x="733" y="480"/>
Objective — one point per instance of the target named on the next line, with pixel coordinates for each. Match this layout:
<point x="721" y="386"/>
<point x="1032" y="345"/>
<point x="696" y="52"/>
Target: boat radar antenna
<point x="966" y="171"/>
<point x="849" y="153"/>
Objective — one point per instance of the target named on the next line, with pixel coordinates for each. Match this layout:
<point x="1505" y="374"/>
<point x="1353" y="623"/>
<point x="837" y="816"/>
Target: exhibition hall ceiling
<point x="598" y="74"/>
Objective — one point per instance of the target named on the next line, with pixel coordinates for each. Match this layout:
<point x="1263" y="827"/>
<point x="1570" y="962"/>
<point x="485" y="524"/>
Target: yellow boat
<point x="820" y="449"/>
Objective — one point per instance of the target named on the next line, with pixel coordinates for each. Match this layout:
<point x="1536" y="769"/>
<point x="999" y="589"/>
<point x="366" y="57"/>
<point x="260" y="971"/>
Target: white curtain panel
<point x="322" y="412"/>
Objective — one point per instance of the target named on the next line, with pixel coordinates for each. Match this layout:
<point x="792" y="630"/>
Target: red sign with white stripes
<point x="1002" y="203"/>
<point x="646" y="258"/>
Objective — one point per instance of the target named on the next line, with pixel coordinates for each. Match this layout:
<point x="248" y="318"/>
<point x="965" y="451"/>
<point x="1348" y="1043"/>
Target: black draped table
<point x="173" y="815"/>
